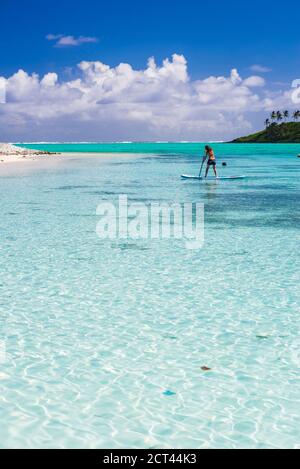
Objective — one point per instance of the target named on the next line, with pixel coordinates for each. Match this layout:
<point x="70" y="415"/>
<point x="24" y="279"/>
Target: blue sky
<point x="214" y="37"/>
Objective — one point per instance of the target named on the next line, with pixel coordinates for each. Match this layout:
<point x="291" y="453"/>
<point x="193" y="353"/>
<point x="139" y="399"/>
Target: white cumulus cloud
<point x="120" y="103"/>
<point x="254" y="81"/>
<point x="260" y="68"/>
<point x="64" y="41"/>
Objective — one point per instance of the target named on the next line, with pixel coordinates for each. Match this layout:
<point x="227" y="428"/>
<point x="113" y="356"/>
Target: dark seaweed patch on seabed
<point x="262" y="187"/>
<point x="289" y="166"/>
<point x="101" y="192"/>
<point x="107" y="195"/>
<point x="129" y="246"/>
<point x="81" y="215"/>
<point x="41" y="209"/>
<point x="256" y="222"/>
<point x="148" y="201"/>
<point x="69" y="188"/>
<point x="126" y="164"/>
<point x="255" y="201"/>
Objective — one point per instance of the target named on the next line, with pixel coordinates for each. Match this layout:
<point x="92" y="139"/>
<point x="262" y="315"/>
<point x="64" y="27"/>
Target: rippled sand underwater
<point x="143" y="343"/>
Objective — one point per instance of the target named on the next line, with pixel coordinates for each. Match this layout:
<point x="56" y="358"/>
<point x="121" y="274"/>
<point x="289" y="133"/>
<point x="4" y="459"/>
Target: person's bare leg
<point x="215" y="171"/>
<point x="207" y="168"/>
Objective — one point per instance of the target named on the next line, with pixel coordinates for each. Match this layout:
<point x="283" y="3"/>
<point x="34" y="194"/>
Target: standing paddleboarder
<point x="211" y="160"/>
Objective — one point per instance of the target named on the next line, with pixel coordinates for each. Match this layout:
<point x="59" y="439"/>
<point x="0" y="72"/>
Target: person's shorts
<point x="211" y="162"/>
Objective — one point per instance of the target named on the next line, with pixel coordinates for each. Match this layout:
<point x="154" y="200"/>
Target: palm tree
<point x="286" y="114"/>
<point x="278" y="116"/>
<point x="267" y="122"/>
<point x="296" y="115"/>
<point x="273" y="115"/>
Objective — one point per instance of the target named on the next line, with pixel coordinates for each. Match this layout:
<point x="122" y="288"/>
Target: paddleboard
<point x="211" y="178"/>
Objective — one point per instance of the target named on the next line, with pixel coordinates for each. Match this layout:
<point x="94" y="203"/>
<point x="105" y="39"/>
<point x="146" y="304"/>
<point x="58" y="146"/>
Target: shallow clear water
<point x="106" y="340"/>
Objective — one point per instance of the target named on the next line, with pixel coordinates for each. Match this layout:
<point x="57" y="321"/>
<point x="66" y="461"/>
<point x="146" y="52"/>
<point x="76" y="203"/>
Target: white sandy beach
<point x="11" y="154"/>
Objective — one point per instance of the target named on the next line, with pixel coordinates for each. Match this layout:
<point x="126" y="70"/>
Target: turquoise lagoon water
<point x="106" y="340"/>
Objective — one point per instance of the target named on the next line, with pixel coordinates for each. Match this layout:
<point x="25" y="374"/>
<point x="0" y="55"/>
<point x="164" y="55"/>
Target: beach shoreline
<point x="12" y="163"/>
<point x="10" y="153"/>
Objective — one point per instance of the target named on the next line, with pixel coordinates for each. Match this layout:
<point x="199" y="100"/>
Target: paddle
<point x="203" y="159"/>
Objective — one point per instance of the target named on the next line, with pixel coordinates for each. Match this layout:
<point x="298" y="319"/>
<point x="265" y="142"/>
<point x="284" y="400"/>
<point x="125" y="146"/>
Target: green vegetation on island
<point x="276" y="131"/>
